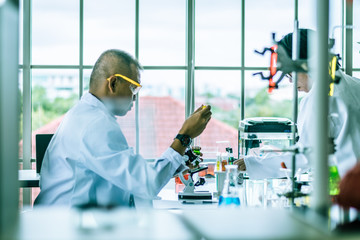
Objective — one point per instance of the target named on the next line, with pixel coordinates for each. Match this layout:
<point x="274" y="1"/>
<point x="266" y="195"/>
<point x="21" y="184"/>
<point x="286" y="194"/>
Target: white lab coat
<point x="89" y="161"/>
<point x="344" y="126"/>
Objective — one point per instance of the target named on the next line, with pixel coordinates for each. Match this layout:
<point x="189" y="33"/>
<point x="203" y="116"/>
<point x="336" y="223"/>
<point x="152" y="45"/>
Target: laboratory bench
<point x="167" y="218"/>
<point x="29" y="178"/>
<point x="123" y="223"/>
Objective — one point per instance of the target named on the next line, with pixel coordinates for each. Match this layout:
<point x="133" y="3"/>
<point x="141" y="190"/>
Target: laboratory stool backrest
<point x="42" y="142"/>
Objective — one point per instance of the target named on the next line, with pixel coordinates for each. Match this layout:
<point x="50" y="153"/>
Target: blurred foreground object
<point x="349" y="195"/>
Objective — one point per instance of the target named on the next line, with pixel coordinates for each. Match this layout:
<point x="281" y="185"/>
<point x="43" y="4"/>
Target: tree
<point x="45" y="110"/>
<point x="259" y="106"/>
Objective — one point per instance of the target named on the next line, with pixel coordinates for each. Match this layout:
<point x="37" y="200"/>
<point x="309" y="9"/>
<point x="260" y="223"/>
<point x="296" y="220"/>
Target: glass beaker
<point x="255" y="193"/>
<point x="230" y="193"/>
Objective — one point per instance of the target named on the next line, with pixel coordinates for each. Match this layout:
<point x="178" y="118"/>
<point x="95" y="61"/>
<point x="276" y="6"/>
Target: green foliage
<point x="45" y="110"/>
<point x="259" y="106"/>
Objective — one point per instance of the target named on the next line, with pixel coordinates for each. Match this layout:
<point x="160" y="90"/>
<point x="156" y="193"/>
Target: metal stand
<point x="295" y="56"/>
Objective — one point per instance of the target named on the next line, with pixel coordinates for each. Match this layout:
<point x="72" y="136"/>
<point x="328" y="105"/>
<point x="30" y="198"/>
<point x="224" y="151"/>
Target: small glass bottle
<point x="218" y="161"/>
<point x="224" y="161"/>
<point x="231" y="155"/>
<point x="230" y="193"/>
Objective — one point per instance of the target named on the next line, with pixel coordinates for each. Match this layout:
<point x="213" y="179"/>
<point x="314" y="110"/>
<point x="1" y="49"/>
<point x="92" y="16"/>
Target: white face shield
<point x="118" y="106"/>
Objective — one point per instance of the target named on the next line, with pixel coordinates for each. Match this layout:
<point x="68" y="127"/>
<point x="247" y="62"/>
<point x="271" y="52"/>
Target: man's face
<point x="303" y="82"/>
<point x="124" y="88"/>
<point x="122" y="95"/>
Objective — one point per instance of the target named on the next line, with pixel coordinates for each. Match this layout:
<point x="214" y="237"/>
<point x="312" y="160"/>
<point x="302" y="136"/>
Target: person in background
<point x="88" y="160"/>
<point x="344" y="121"/>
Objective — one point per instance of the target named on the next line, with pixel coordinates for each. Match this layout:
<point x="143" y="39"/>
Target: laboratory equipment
<point x="280" y="61"/>
<point x="218" y="162"/>
<point x="224" y="161"/>
<point x="334" y="176"/>
<point x="230" y="193"/>
<point x="189" y="192"/>
<point x="255" y="193"/>
<point x="260" y="134"/>
<point x="231" y="156"/>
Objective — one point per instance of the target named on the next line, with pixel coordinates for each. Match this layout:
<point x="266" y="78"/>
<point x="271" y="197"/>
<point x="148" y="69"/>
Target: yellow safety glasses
<point x="332" y="70"/>
<point x="134" y="87"/>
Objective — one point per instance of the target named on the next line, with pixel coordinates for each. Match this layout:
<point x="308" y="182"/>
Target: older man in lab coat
<point x="344" y="122"/>
<point x="88" y="160"/>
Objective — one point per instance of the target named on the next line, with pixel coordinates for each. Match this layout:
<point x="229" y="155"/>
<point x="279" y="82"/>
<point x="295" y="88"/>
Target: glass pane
<point x="54" y="92"/>
<point x="260" y="103"/>
<point x="262" y="18"/>
<point x="55" y="32"/>
<point x="108" y="25"/>
<point x="161" y="110"/>
<point x="86" y="80"/>
<point x="307" y="14"/>
<point x="21" y="14"/>
<point x="218" y="33"/>
<point x="356" y="74"/>
<point x="335" y="22"/>
<point x="21" y="120"/>
<point x="162" y="32"/>
<point x="221" y="90"/>
<point x="307" y="19"/>
<point x="356" y="34"/>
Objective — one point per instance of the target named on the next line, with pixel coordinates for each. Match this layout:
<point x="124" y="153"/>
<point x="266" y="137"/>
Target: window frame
<point x="189" y="66"/>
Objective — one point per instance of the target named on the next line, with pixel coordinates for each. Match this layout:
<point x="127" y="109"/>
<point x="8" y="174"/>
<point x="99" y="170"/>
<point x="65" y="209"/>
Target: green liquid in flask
<point x="334" y="180"/>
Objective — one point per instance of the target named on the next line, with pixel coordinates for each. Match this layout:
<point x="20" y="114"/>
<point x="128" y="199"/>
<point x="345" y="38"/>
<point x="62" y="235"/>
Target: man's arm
<point x="193" y="127"/>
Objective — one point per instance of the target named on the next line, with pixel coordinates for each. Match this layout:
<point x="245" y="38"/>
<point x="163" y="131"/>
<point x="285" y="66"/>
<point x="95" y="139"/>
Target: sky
<point x="111" y="24"/>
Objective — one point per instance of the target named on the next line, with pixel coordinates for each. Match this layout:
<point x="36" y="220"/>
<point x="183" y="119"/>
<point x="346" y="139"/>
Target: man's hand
<point x="196" y="123"/>
<point x="193" y="126"/>
<point x="241" y="164"/>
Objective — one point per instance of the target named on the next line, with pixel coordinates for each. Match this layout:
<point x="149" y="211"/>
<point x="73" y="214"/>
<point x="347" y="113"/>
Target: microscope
<point x="189" y="193"/>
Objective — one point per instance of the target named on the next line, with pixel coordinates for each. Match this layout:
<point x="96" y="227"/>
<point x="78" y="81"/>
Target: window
<point x="55" y="32"/>
<point x="162" y="32"/>
<point x="161" y="110"/>
<point x="21" y="29"/>
<point x="54" y="92"/>
<point x="307" y="19"/>
<point x="260" y="22"/>
<point x="108" y="25"/>
<point x="356" y="35"/>
<point x="260" y="103"/>
<point x="68" y="36"/>
<point x="218" y="33"/>
<point x="21" y="120"/>
<point x="221" y="90"/>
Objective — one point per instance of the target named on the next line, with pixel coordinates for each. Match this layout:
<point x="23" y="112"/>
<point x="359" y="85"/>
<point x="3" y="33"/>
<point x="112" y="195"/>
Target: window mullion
<point x="81" y="48"/>
<point x="137" y="122"/>
<point x="27" y="119"/>
<point x="190" y="57"/>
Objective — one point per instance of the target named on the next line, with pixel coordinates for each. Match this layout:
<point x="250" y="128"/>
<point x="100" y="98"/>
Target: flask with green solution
<point x="334" y="176"/>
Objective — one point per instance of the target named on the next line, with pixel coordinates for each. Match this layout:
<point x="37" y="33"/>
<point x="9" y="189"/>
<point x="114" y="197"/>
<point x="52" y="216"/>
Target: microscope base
<point x="200" y="195"/>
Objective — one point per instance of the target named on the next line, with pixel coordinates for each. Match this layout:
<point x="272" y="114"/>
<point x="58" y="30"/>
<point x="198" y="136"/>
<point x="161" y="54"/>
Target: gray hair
<point x="108" y="63"/>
